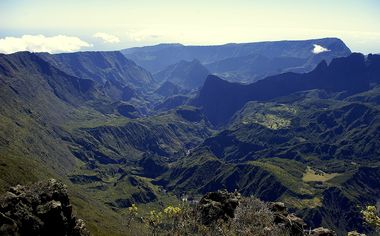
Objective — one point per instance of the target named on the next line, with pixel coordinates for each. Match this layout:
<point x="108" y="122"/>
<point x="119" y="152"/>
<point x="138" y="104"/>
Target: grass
<point x="303" y="203"/>
<point x="283" y="172"/>
<point x="89" y="118"/>
<point x="18" y="170"/>
<point x="102" y="220"/>
<point x="99" y="219"/>
<point x="317" y="175"/>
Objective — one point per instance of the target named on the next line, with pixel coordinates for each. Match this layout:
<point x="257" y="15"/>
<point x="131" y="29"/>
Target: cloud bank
<point x="319" y="49"/>
<point x="41" y="43"/>
<point x="107" y="38"/>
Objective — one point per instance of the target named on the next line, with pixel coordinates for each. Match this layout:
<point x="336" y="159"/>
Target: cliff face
<point x="40" y="209"/>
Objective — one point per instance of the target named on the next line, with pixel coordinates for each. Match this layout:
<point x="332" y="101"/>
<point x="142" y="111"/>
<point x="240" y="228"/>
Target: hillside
<point x="308" y="153"/>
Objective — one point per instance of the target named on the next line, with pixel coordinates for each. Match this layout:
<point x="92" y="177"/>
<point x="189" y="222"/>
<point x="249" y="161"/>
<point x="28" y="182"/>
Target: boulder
<point x="322" y="232"/>
<point x="40" y="209"/>
<point x="218" y="205"/>
<point x="290" y="222"/>
<point x="278" y="207"/>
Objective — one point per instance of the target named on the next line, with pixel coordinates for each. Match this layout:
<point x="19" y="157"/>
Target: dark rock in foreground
<point x="292" y="223"/>
<point x="40" y="209"/>
<point x="218" y="205"/>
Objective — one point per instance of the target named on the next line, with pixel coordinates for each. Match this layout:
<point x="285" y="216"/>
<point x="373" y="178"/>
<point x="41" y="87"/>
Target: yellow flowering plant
<point x="371" y="216"/>
<point x="171" y="211"/>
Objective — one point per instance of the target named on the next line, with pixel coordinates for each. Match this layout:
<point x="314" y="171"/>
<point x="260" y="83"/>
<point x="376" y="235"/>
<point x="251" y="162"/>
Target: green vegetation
<point x="271" y="115"/>
<point x="318" y="175"/>
<point x="315" y="150"/>
<point x="283" y="174"/>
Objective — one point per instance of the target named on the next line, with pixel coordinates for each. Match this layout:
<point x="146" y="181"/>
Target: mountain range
<point x="118" y="135"/>
<point x="351" y="74"/>
<point x="244" y="62"/>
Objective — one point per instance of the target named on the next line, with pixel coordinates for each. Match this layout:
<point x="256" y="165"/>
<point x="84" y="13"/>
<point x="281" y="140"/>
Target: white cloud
<point x="107" y="38"/>
<point x="318" y="49"/>
<point x="41" y="43"/>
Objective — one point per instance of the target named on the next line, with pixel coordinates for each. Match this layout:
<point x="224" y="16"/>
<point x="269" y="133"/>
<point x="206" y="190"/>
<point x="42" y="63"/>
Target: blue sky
<point x="70" y="25"/>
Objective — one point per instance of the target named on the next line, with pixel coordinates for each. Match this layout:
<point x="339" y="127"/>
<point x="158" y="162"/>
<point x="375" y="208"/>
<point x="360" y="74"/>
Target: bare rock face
<point x="218" y="205"/>
<point x="40" y="209"/>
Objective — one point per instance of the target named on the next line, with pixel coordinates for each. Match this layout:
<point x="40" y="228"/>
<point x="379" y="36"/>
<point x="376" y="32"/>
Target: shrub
<point x="252" y="217"/>
<point x="371" y="217"/>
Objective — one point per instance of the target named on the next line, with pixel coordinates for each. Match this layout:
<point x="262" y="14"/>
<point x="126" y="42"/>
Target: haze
<point x="58" y="26"/>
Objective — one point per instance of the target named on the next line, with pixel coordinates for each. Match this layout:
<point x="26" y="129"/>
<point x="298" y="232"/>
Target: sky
<point x="80" y="25"/>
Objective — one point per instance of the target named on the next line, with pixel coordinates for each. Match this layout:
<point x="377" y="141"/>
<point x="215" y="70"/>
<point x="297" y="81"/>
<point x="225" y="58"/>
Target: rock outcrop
<point x="221" y="205"/>
<point x="218" y="205"/>
<point x="293" y="224"/>
<point x="322" y="232"/>
<point x="40" y="209"/>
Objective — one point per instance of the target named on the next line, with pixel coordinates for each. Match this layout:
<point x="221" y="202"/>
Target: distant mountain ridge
<point x="221" y="99"/>
<point x="69" y="88"/>
<point x="244" y="62"/>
